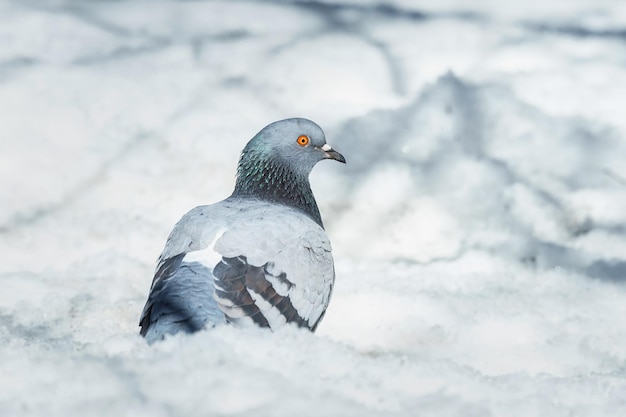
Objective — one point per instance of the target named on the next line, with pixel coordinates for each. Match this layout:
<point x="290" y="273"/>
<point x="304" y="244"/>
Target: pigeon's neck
<point x="272" y="180"/>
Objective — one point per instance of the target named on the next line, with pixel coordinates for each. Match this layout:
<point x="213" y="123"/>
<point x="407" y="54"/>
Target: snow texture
<point x="479" y="227"/>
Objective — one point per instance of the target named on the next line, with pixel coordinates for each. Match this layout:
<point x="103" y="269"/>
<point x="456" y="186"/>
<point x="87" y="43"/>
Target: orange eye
<point x="303" y="140"/>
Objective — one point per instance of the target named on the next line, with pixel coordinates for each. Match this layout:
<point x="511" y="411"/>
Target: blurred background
<point x="479" y="227"/>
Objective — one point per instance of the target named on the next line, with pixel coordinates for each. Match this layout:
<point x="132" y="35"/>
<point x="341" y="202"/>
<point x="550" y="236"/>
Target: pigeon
<point x="261" y="257"/>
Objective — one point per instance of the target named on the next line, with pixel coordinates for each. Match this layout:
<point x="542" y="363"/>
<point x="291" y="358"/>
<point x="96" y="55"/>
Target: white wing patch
<point x="208" y="256"/>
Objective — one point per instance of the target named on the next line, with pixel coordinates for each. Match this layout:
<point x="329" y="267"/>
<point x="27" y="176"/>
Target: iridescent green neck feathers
<point x="262" y="174"/>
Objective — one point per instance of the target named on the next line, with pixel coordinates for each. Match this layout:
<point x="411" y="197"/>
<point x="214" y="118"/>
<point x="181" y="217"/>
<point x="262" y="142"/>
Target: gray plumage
<point x="261" y="256"/>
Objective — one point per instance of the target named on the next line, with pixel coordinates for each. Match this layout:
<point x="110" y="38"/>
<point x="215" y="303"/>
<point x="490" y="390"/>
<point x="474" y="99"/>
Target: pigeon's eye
<point x="303" y="140"/>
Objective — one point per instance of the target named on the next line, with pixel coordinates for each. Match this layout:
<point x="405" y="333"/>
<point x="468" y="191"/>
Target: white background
<point x="479" y="227"/>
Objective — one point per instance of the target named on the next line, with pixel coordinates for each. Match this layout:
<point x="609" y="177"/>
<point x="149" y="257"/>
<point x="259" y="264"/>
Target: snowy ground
<point x="479" y="227"/>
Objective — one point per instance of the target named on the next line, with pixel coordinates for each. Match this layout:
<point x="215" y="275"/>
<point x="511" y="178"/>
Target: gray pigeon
<point x="260" y="257"/>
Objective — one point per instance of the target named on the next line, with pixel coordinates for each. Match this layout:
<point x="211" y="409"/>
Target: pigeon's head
<point x="297" y="143"/>
<point x="276" y="163"/>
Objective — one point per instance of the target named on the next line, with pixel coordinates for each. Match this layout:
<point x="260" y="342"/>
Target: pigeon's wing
<point x="181" y="295"/>
<point x="184" y="302"/>
<point x="277" y="268"/>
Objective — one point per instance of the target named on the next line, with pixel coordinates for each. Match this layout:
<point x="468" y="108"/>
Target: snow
<point x="478" y="227"/>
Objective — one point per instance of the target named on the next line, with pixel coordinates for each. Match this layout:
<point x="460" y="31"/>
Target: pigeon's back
<point x="244" y="262"/>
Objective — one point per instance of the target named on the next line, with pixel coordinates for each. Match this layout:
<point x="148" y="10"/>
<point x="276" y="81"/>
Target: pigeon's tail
<point x="183" y="302"/>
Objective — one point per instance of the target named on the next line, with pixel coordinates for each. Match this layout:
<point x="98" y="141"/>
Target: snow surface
<point x="479" y="227"/>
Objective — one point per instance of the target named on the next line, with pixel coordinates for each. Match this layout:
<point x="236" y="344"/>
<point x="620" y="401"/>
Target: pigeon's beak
<point x="330" y="153"/>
